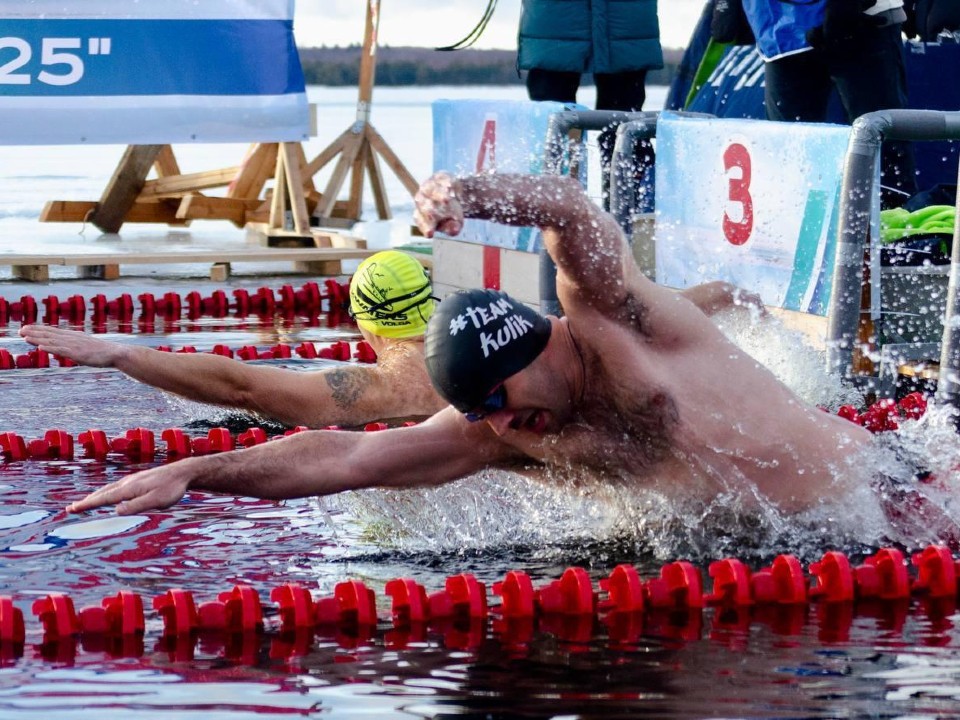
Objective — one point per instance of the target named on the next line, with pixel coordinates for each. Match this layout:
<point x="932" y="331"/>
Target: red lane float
<point x="463" y="595"/>
<point x="624" y="591"/>
<point x="339" y="350"/>
<point x="517" y="596"/>
<point x="238" y="610"/>
<point x="24" y="311"/>
<point x="936" y="572"/>
<point x="140" y="444"/>
<point x="251" y="437"/>
<point x="94" y="443"/>
<point x="572" y="594"/>
<point x="886" y="414"/>
<point x="12" y="629"/>
<point x="73" y="309"/>
<point x="307" y="300"/>
<point x="679" y="585"/>
<point x="567" y="607"/>
<point x="352" y="602"/>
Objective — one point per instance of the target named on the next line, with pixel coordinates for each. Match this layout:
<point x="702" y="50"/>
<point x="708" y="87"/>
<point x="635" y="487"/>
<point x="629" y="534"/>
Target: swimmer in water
<point x="391" y="298"/>
<point x="633" y="383"/>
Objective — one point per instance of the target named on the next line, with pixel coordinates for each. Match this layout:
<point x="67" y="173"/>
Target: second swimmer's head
<point x="390" y="295"/>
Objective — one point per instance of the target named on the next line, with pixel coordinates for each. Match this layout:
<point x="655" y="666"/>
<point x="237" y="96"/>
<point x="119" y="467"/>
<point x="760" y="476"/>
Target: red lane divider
<point x="339" y="350"/>
<point x="140" y="444"/>
<point x="12" y="628"/>
<point x="307" y="300"/>
<point x="886" y="414"/>
<point x="670" y="604"/>
<point x="24" y="311"/>
<point x="137" y="444"/>
<point x="237" y="611"/>
<point x="146" y="325"/>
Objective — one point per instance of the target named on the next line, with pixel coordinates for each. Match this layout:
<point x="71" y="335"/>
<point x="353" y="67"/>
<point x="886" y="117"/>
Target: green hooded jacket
<point x="589" y="36"/>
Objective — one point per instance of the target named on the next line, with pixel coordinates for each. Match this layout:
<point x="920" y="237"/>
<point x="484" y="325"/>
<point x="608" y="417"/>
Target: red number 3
<point x="738" y="232"/>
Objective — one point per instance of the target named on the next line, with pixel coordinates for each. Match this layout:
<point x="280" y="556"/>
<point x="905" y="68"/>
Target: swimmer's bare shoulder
<point x="402" y="366"/>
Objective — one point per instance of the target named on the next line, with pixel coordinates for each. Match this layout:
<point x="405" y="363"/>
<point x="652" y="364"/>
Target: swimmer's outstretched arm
<point x="322" y="462"/>
<point x="347" y="395"/>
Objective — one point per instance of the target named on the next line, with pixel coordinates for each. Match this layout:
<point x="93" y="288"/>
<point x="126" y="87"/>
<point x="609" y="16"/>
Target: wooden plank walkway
<point x="312" y="261"/>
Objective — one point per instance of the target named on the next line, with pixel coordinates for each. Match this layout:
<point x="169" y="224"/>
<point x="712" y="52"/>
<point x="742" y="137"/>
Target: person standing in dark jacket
<point x="617" y="41"/>
<point x="926" y="19"/>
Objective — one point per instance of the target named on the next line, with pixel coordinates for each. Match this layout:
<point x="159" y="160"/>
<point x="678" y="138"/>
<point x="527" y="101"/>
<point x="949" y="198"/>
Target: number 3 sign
<point x="737" y="158"/>
<point x="751" y="202"/>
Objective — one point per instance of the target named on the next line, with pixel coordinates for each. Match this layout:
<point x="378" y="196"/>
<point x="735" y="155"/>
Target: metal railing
<point x="856" y="196"/>
<point x="557" y="148"/>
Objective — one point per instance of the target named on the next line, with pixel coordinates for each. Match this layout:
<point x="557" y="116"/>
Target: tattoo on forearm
<point x="347" y="386"/>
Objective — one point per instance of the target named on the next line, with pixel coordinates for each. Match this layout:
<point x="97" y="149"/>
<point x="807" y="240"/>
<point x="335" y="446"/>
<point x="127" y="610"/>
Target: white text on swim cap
<point x="480" y="316"/>
<point x="513" y="327"/>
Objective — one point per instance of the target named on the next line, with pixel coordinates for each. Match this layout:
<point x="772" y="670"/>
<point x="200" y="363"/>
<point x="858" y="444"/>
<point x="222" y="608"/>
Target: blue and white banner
<point x="478" y="136"/>
<point x="752" y="202"/>
<point x="149" y="72"/>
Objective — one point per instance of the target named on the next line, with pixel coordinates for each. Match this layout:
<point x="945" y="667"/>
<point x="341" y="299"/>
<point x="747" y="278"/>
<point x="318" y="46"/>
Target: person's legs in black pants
<point x="797" y="87"/>
<point x="552" y="85"/>
<point x="625" y="91"/>
<point x="871" y="76"/>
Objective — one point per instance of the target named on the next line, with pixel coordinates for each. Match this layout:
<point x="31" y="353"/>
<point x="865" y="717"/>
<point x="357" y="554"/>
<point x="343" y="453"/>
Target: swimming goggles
<point x="385" y="310"/>
<point x="495" y="400"/>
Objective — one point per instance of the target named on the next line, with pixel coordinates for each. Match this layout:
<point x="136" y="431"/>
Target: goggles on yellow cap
<point x="390" y="295"/>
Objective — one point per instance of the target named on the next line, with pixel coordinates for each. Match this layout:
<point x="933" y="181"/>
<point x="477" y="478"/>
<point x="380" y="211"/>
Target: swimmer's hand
<point x="437" y="206"/>
<point x="79" y="347"/>
<point x="717" y="296"/>
<point x="750" y="300"/>
<point x="152" y="489"/>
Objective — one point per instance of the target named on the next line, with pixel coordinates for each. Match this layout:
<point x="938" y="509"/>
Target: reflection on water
<point x="785" y="663"/>
<point x="816" y="661"/>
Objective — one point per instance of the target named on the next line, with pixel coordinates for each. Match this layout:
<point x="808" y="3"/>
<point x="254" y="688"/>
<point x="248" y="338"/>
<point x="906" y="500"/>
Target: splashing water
<point x="789" y="356"/>
<point x="495" y="509"/>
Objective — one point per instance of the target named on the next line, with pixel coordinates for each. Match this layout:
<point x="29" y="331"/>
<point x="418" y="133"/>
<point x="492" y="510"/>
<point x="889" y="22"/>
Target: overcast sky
<point x="432" y="23"/>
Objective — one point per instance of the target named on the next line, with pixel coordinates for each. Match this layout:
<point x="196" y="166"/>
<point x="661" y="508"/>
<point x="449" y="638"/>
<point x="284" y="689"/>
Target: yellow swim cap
<point x="390" y="295"/>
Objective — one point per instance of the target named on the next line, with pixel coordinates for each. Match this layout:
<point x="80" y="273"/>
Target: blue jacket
<point x="781" y="27"/>
<point x="598" y="36"/>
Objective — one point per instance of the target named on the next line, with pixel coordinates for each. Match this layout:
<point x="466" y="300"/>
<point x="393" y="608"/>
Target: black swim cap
<point x="476" y="339"/>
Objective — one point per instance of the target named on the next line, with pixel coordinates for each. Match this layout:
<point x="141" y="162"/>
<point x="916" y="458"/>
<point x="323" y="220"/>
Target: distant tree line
<point x="335" y="66"/>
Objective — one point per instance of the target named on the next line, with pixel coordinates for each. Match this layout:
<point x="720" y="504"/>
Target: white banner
<point x="752" y="202"/>
<point x="150" y="72"/>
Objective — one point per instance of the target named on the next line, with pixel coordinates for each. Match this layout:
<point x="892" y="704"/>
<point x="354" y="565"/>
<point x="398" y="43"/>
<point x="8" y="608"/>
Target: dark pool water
<point x="883" y="660"/>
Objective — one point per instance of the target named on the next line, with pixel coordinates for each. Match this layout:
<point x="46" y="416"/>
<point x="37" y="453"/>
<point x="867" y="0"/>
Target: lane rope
<point x="671" y="604"/>
<point x="307" y="300"/>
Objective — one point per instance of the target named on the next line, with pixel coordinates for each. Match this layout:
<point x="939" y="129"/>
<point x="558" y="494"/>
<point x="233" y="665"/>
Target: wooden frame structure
<point x="174" y="198"/>
<point x="360" y="146"/>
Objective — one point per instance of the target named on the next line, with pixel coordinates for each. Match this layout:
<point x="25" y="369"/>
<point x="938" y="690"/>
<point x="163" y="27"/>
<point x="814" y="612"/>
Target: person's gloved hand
<point x="728" y="23"/>
<point x="843" y="22"/>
